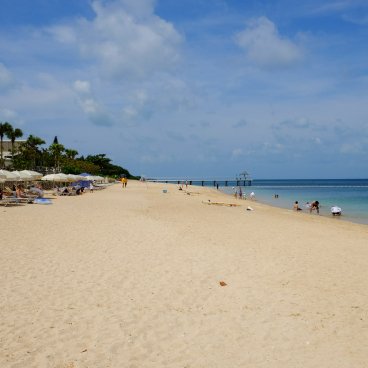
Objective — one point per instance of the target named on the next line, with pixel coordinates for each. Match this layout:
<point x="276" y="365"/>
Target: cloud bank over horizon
<point x="194" y="88"/>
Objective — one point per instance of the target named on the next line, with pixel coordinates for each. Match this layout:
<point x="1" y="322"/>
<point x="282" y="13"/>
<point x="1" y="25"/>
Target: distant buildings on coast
<point x="7" y="151"/>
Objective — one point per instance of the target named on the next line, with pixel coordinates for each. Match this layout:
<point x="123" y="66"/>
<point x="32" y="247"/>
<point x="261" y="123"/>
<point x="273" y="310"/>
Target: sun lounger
<point x="6" y="201"/>
<point x="26" y="199"/>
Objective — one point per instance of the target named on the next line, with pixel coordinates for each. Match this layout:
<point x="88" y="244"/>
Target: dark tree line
<point x="32" y="155"/>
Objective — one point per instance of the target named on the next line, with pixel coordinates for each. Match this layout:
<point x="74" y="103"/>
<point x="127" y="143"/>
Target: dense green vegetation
<point x="32" y="155"/>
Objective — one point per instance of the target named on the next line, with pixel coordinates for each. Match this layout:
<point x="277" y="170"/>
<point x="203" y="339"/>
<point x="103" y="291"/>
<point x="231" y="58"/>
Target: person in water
<point x="314" y="206"/>
<point x="296" y="206"/>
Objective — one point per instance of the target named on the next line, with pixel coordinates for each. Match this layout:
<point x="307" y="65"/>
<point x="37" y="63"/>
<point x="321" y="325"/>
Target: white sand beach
<point x="131" y="278"/>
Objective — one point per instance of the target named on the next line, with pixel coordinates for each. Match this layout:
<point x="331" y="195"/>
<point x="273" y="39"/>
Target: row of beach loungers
<point x="72" y="191"/>
<point x="6" y="201"/>
<point x="27" y="197"/>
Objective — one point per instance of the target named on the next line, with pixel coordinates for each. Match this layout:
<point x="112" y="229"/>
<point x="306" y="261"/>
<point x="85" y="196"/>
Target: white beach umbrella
<point x="60" y="178"/>
<point x="63" y="177"/>
<point x="32" y="175"/>
<point x="35" y="174"/>
<point x="2" y="175"/>
<point x="72" y="177"/>
<point x="22" y="176"/>
<point x="9" y="176"/>
<point x="50" y="177"/>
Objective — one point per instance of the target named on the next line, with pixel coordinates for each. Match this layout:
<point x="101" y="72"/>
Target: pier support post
<point x="226" y="183"/>
<point x="202" y="183"/>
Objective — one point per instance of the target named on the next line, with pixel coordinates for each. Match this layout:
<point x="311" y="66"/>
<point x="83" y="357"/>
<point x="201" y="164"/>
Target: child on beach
<point x="296" y="206"/>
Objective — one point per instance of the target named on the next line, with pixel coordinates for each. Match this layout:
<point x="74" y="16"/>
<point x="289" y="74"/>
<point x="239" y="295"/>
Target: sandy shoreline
<point x="130" y="278"/>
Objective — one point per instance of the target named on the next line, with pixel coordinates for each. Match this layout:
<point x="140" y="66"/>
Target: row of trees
<point x="31" y="155"/>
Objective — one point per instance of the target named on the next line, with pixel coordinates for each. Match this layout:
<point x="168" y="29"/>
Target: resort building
<point x="7" y="151"/>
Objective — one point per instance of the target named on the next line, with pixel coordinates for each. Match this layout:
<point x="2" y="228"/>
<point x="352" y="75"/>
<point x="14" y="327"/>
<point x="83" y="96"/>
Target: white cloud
<point x="334" y="6"/>
<point x="64" y="34"/>
<point x="6" y="77"/>
<point x="94" y="110"/>
<point x="351" y="148"/>
<point x="237" y="152"/>
<point x="83" y="87"/>
<point x="296" y="123"/>
<point x="11" y="116"/>
<point x="125" y="38"/>
<point x="360" y="19"/>
<point x="265" y="47"/>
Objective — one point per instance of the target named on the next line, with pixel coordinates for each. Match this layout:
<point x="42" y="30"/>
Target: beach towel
<point x="42" y="201"/>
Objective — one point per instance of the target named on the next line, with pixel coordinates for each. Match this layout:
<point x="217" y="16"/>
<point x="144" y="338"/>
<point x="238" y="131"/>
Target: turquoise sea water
<point x="349" y="194"/>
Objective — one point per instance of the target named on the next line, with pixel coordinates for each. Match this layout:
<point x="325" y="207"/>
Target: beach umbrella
<point x="22" y="175"/>
<point x="48" y="177"/>
<point x="72" y="177"/>
<point x="9" y="176"/>
<point x="32" y="175"/>
<point x="63" y="177"/>
<point x="53" y="177"/>
<point x="36" y="175"/>
<point x="2" y="175"/>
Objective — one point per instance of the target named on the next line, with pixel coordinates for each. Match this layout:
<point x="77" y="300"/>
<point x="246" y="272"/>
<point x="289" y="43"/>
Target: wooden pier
<point x="204" y="182"/>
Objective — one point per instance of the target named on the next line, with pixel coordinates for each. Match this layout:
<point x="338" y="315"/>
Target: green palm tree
<point x="13" y="134"/>
<point x="71" y="153"/>
<point x="56" y="149"/>
<point x="32" y="149"/>
<point x="4" y="129"/>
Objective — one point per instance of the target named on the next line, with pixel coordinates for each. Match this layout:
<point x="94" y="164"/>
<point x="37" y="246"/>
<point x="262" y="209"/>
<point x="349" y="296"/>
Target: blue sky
<point x="193" y="87"/>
